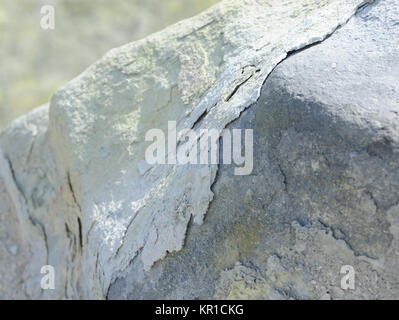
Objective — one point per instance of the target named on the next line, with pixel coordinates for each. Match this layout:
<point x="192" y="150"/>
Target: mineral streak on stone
<point x="73" y="177"/>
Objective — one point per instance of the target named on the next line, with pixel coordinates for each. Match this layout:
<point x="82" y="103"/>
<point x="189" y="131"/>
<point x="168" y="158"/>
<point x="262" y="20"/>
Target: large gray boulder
<point x="324" y="191"/>
<point x="78" y="194"/>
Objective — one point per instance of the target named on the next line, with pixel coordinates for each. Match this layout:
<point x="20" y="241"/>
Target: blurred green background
<point x="35" y="62"/>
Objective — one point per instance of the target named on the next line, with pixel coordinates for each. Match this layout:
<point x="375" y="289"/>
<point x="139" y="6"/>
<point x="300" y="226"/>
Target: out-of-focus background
<point x="35" y="62"/>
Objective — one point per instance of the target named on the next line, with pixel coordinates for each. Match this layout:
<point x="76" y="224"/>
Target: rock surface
<point x="323" y="193"/>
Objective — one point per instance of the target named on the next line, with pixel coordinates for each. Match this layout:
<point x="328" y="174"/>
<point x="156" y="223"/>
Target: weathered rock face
<point x="324" y="191"/>
<point x="40" y="221"/>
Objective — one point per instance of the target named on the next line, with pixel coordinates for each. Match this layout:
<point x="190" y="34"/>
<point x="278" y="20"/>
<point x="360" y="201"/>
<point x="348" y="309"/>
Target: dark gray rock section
<point x="324" y="191"/>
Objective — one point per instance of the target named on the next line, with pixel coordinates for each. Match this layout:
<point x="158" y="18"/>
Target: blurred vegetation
<point x="35" y="62"/>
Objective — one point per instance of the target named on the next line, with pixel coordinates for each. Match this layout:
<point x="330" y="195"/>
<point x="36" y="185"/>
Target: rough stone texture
<point x="322" y="193"/>
<point x="13" y="255"/>
<point x="44" y="225"/>
<point x="325" y="187"/>
<point x="201" y="73"/>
